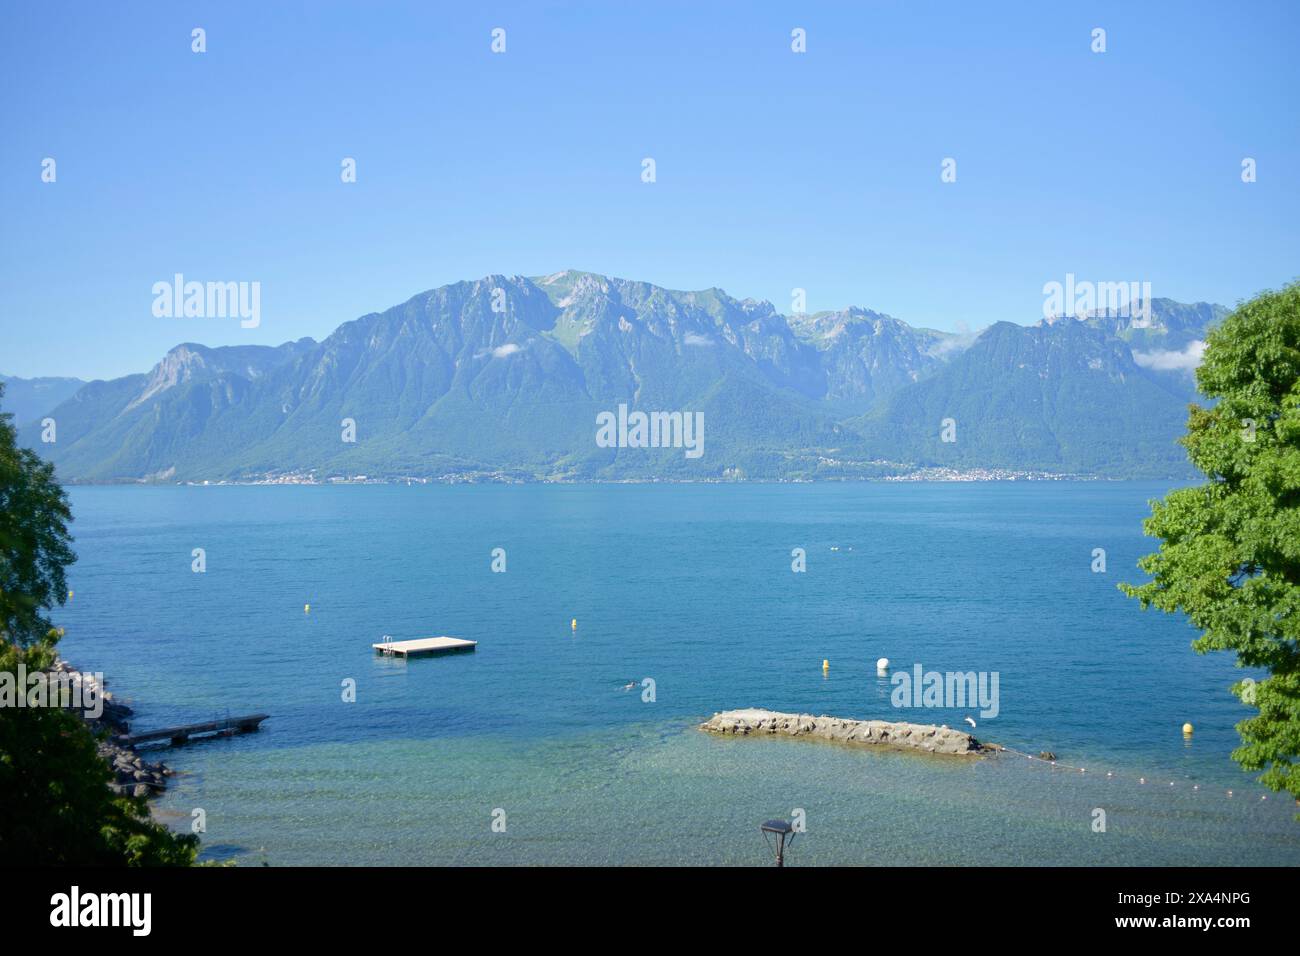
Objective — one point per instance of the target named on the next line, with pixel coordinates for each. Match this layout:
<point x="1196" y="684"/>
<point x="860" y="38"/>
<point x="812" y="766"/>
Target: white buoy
<point x="882" y="666"/>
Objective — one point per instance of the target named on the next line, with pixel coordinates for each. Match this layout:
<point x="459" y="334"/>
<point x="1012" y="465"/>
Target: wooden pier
<point x="182" y="734"/>
<point x="424" y="645"/>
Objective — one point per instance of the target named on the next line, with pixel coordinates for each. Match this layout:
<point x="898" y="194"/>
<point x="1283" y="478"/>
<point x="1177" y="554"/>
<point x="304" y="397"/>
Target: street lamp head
<point x="781" y="830"/>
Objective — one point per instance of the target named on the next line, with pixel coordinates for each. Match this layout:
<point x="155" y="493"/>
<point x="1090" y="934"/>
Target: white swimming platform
<point x="424" y="645"/>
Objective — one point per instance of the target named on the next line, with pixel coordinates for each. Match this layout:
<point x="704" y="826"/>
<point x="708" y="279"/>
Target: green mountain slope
<point x="1064" y="397"/>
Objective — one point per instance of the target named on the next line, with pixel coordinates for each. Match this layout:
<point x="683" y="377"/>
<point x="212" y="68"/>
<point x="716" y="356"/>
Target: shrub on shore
<point x="54" y="786"/>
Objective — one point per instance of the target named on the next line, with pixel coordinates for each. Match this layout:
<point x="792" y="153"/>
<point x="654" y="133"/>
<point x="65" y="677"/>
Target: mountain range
<point x="505" y="376"/>
<point x="30" y="398"/>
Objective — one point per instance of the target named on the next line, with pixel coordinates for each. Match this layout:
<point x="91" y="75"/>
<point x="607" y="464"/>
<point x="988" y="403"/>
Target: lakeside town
<point x="731" y="476"/>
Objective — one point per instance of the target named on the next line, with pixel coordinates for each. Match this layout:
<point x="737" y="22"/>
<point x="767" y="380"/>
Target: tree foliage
<point x="35" y="546"/>
<point x="56" y="807"/>
<point x="1230" y="552"/>
<point x="54" y="788"/>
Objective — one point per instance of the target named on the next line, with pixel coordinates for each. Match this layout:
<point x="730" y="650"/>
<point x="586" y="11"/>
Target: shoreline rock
<point x="926" y="738"/>
<point x="132" y="774"/>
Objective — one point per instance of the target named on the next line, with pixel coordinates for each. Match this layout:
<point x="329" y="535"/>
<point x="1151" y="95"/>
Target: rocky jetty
<point x="877" y="733"/>
<point x="131" y="773"/>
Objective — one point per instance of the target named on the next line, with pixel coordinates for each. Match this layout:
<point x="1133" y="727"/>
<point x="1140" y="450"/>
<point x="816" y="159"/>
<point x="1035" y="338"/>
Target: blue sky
<point x="775" y="170"/>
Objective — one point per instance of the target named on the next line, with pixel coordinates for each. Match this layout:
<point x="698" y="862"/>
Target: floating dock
<point x="182" y="734"/>
<point x="424" y="645"/>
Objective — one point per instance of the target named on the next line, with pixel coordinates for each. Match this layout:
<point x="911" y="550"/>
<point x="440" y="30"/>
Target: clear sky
<point x="775" y="170"/>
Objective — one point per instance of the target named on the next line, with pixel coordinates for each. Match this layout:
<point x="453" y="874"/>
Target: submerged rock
<point x="923" y="737"/>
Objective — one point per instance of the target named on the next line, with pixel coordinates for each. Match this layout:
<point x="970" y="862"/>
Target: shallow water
<point x="689" y="585"/>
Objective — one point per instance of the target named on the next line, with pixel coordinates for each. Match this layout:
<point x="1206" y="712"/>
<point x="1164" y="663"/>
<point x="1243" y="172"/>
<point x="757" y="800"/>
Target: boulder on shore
<point x="881" y="733"/>
<point x="131" y="773"/>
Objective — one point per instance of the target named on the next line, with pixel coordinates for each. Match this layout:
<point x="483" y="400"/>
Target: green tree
<point x="56" y="807"/>
<point x="35" y="546"/>
<point x="1230" y="552"/>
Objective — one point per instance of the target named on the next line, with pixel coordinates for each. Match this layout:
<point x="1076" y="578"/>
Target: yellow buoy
<point x="70" y="593"/>
<point x="826" y="665"/>
<point x="306" y="609"/>
<point x="574" y="624"/>
<point x="1187" y="729"/>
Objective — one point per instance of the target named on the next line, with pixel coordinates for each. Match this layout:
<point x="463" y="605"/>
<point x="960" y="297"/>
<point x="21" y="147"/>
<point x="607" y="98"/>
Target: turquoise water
<point x="689" y="585"/>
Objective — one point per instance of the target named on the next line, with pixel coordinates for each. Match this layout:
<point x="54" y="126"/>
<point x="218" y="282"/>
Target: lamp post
<point x="779" y="829"/>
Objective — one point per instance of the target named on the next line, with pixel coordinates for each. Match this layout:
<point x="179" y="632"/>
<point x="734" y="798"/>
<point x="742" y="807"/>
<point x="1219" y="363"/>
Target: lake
<point x="690" y="586"/>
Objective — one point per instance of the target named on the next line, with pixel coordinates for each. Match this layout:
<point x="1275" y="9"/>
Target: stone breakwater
<point x="879" y="733"/>
<point x="131" y="773"/>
